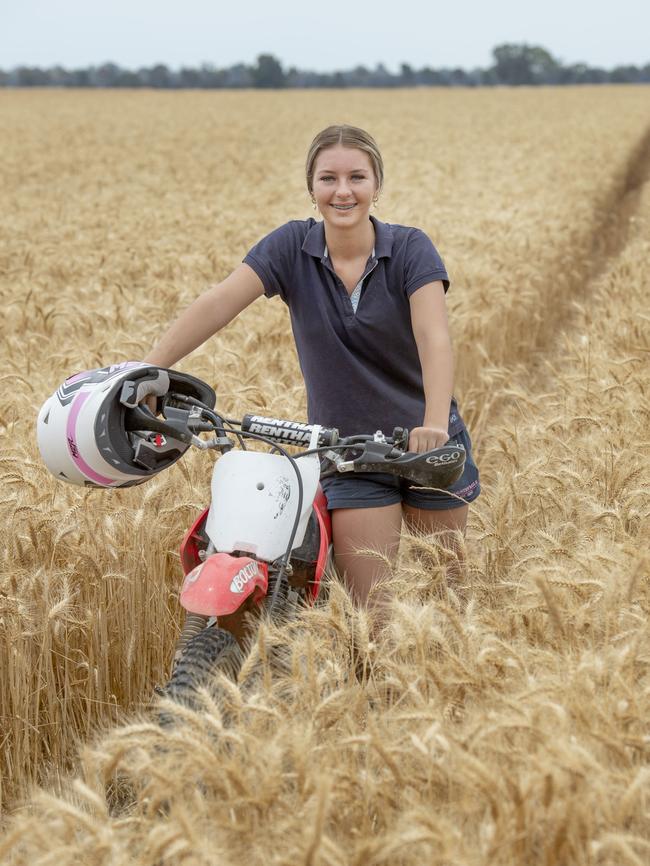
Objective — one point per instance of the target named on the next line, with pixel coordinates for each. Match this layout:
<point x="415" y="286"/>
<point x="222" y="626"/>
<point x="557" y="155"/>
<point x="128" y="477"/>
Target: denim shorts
<point x="373" y="489"/>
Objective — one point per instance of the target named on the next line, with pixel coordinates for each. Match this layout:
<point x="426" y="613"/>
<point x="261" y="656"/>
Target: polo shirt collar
<point x="314" y="243"/>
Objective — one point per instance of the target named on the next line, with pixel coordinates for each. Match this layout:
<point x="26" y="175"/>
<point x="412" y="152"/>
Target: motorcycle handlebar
<point x="288" y="432"/>
<point x="380" y="454"/>
<point x="377" y="453"/>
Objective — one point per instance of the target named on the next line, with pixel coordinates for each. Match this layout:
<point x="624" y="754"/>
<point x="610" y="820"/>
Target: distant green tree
<point x="359" y="77"/>
<point x="406" y="75"/>
<point x="80" y="78"/>
<point x="157" y="76"/>
<point x="268" y="72"/>
<point x="31" y="76"/>
<point x="381" y="77"/>
<point x="427" y="76"/>
<point x="459" y="78"/>
<point x="128" y="78"/>
<point x="238" y="75"/>
<point x="622" y="74"/>
<point x="596" y="75"/>
<point x="105" y="75"/>
<point x="524" y="64"/>
<point x="189" y="77"/>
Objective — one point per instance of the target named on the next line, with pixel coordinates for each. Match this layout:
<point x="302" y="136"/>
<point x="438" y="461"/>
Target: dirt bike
<point x="265" y="541"/>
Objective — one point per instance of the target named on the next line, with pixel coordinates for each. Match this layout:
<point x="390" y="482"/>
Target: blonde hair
<point x="348" y="136"/>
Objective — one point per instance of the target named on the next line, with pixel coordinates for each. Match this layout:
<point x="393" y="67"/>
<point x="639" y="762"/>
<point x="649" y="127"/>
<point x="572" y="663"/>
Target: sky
<point x="325" y="36"/>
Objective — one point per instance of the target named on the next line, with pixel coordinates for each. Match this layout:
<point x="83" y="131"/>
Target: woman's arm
<point x="431" y="332"/>
<point x="210" y="312"/>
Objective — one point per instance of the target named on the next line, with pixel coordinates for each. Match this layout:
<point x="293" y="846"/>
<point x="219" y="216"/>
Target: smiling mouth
<point x="344" y="206"/>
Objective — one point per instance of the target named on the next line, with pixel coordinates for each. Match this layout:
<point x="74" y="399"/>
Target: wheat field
<point x="501" y="721"/>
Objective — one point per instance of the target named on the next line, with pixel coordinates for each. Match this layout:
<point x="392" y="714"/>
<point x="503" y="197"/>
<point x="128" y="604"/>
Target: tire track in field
<point x="519" y="389"/>
<point x="620" y="209"/>
<point x="608" y="236"/>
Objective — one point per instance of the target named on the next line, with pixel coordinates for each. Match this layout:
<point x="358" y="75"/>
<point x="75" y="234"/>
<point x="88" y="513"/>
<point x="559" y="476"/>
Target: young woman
<point x="367" y="305"/>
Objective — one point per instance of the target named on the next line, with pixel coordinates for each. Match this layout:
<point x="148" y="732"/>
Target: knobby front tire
<point x="212" y="650"/>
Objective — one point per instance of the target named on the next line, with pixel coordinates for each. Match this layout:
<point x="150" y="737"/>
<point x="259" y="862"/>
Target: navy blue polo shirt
<point x="362" y="369"/>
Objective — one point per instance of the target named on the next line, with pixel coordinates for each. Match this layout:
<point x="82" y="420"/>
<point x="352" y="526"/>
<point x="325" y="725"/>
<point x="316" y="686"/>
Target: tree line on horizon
<point x="513" y="65"/>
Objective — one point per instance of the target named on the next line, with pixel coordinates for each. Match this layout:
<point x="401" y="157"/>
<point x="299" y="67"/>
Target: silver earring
<point x="374" y="201"/>
<point x="313" y="201"/>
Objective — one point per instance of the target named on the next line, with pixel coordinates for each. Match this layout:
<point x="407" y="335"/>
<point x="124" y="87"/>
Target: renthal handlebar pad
<point x="290" y="432"/>
<point x="439" y="468"/>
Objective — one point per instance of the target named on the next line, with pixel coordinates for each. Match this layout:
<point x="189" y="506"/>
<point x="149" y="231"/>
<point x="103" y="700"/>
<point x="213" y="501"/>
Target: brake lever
<point x="178" y="424"/>
<point x="375" y="453"/>
<point x="141" y="418"/>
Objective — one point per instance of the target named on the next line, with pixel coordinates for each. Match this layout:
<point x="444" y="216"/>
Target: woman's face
<point x="344" y="185"/>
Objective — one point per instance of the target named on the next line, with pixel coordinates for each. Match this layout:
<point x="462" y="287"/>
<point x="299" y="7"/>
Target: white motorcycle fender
<point x="254" y="502"/>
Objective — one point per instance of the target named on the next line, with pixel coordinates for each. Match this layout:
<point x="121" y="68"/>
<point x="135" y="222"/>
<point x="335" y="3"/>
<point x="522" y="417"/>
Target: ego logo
<point x="73" y="447"/>
<point x="242" y="577"/>
<point x="443" y="459"/>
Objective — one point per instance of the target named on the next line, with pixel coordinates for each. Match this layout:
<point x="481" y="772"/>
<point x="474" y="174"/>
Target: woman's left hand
<point x="427" y="438"/>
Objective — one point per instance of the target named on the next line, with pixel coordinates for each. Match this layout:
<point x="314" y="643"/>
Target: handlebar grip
<point x="289" y="432"/>
<point x="439" y="468"/>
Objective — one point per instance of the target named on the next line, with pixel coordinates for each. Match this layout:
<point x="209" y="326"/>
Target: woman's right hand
<point x="151" y="403"/>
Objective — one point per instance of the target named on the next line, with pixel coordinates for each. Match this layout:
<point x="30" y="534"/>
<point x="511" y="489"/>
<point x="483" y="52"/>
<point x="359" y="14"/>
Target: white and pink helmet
<point x="81" y="428"/>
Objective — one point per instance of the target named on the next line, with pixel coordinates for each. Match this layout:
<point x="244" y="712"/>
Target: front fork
<point x="240" y="625"/>
<point x="194" y="623"/>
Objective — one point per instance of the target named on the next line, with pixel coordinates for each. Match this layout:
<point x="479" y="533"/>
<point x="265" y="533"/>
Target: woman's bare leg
<point x="376" y="529"/>
<point x="436" y="520"/>
<point x="445" y="525"/>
